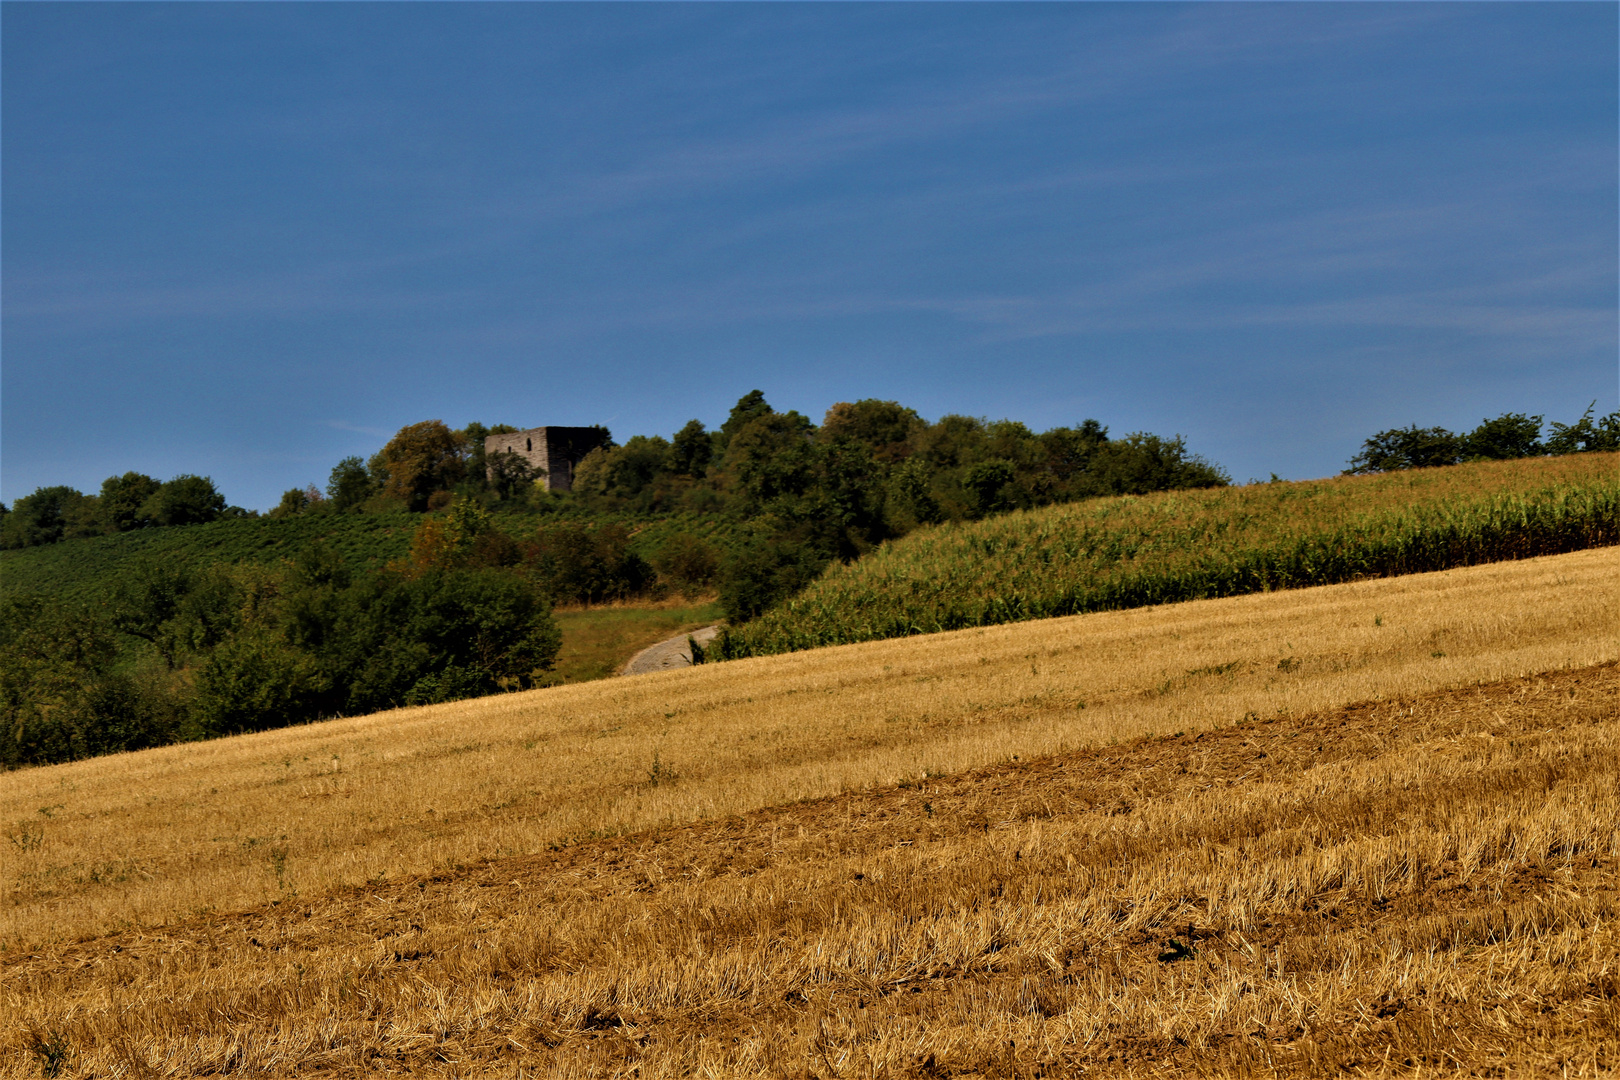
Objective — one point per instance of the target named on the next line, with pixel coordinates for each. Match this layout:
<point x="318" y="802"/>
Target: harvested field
<point x="140" y="839"/>
<point x="1417" y="885"/>
<point x="1273" y="883"/>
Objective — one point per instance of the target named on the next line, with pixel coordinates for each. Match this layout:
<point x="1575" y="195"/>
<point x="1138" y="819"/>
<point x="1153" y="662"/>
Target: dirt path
<point x="673" y="653"/>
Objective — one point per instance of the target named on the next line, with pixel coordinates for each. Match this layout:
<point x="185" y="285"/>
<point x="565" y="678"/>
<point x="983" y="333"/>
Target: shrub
<point x="687" y="563"/>
<point x="254" y="681"/>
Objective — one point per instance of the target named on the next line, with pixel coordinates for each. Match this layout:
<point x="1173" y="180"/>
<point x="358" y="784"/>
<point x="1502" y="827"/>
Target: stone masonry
<point x="553" y="451"/>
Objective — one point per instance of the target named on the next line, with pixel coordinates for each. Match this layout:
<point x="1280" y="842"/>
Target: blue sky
<point x="249" y="240"/>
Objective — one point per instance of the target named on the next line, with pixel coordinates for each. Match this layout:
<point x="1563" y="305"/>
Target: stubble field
<point x="1366" y="833"/>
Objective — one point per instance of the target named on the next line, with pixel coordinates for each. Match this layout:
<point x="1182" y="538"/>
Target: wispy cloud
<point x="344" y="425"/>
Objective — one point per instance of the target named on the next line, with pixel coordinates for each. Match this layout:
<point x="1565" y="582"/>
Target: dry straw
<point x="1417" y="885"/>
<point x="146" y="838"/>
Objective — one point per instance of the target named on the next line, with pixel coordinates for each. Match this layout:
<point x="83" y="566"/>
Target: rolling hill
<point x="1365" y="827"/>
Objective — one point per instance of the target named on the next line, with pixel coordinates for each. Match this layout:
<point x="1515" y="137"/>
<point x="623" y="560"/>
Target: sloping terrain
<point x="1424" y="884"/>
<point x="945" y="856"/>
<point x="1135" y="551"/>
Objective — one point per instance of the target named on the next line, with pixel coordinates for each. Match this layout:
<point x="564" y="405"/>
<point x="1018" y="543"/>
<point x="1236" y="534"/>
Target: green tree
<point x="750" y="407"/>
<point x="47" y="516"/>
<point x="584" y="565"/>
<point x="687" y="562"/>
<point x="986" y="484"/>
<point x="254" y="681"/>
<point x="767" y="569"/>
<point x="1511" y="435"/>
<point x="1406" y="448"/>
<point x="122" y="498"/>
<point x="60" y="695"/>
<point x="691" y="450"/>
<point x="883" y="427"/>
<point x="349" y="486"/>
<point x="294" y="501"/>
<point x="509" y="474"/>
<point x="473" y="436"/>
<point x="772" y="456"/>
<point x="614" y="475"/>
<point x="910" y="499"/>
<point x="1068" y="455"/>
<point x="395" y="640"/>
<point x="1585" y="435"/>
<point x="185" y="500"/>
<point x="1140" y="463"/>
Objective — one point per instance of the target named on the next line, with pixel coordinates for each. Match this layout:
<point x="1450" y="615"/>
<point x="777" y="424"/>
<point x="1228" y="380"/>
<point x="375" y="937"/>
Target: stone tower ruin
<point x="553" y="451"/>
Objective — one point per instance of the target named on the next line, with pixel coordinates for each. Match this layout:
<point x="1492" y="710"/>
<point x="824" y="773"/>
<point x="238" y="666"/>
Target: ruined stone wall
<point x="552" y="451"/>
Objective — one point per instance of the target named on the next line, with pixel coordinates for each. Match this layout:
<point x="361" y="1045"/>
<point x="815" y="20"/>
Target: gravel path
<point x="668" y="654"/>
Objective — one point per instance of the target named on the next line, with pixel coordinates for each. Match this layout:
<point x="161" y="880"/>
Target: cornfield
<point x="1136" y="551"/>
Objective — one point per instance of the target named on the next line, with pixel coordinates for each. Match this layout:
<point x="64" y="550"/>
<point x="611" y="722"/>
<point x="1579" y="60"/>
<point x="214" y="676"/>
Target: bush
<point x="765" y="572"/>
<point x="584" y="565"/>
<point x="60" y="698"/>
<point x="687" y="563"/>
<point x="255" y="681"/>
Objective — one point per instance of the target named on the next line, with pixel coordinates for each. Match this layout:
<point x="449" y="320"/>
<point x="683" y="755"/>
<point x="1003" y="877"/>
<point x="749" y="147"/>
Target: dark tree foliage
<point x="691" y="450"/>
<point x="349" y="485"/>
<point x="122" y="499"/>
<point x="767" y="570"/>
<point x="883" y="427"/>
<point x="687" y="562"/>
<point x="243" y="648"/>
<point x="586" y="565"/>
<point x="1407" y="448"/>
<point x="771" y="456"/>
<point x="986" y="485"/>
<point x="620" y="472"/>
<point x="185" y="500"/>
<point x="47" y="516"/>
<point x="293" y="501"/>
<point x="60" y="695"/>
<point x="473" y="436"/>
<point x="1585" y="435"/>
<point x="437" y="635"/>
<point x="1511" y="435"/>
<point x="750" y="407"/>
<point x="1140" y="463"/>
<point x="508" y="474"/>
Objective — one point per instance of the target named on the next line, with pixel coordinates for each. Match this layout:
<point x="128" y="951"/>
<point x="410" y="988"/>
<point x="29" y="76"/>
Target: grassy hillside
<point x="1134" y="551"/>
<point x="77" y="568"/>
<point x="1222" y="870"/>
<point x="596" y="641"/>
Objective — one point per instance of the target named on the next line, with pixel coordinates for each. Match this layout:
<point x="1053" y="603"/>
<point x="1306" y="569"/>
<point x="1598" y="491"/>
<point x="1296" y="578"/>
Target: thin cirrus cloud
<point x="637" y="214"/>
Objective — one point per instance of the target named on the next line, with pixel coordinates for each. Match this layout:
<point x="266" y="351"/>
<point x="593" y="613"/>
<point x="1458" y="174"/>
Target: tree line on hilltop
<point x="1511" y="435"/>
<point x="173" y="651"/>
<point x="178" y="652"/>
<point x="804" y="494"/>
<point x="128" y="502"/>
